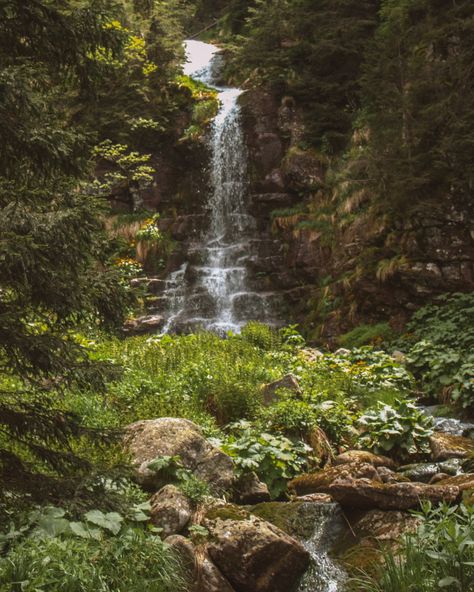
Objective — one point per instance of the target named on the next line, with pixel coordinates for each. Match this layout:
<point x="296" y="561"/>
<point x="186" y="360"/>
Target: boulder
<point x="463" y="482"/>
<point x="445" y="446"/>
<point x="170" y="510"/>
<point x="362" y="456"/>
<point x="360" y="486"/>
<point x="203" y="575"/>
<point x="253" y="555"/>
<point x="374" y="530"/>
<point x="148" y="440"/>
<point x="270" y="390"/>
<point x="320" y="446"/>
<point x="250" y="490"/>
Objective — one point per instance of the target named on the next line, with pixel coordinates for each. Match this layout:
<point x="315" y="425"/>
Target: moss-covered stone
<point x="227" y="512"/>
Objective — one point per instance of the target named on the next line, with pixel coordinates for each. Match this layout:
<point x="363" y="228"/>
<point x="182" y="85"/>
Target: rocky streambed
<point x="334" y="523"/>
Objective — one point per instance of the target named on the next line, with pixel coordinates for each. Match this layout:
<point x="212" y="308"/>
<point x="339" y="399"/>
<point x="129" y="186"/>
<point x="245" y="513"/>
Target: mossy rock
<point x="283" y="515"/>
<point x="227" y="512"/>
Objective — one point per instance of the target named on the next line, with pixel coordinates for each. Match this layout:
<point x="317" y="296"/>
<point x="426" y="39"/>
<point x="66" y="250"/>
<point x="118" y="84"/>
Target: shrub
<point x="401" y="430"/>
<point x="443" y="358"/>
<point x="95" y="554"/>
<point x="274" y="458"/>
<point x="367" y="334"/>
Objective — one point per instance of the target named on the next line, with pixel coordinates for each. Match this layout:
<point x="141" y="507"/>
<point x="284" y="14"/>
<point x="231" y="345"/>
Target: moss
<point x="227" y="512"/>
<point x="283" y="515"/>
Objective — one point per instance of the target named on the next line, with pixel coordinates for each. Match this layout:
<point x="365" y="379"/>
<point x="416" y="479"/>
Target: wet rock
<point x="145" y="324"/>
<point x="421" y="472"/>
<point x="203" y="575"/>
<point x="362" y="456"/>
<point x="148" y="440"/>
<point x="446" y="446"/>
<point x="170" y="510"/>
<point x="354" y="486"/>
<point x="254" y="555"/>
<point x="250" y="490"/>
<point x="451" y="466"/>
<point x="270" y="390"/>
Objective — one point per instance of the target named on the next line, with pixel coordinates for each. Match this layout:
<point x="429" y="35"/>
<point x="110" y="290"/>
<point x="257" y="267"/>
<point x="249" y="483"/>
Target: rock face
<point x="445" y="446"/>
<point x="360" y="486"/>
<point x="170" y="510"/>
<point x="148" y="440"/>
<point x="254" y="555"/>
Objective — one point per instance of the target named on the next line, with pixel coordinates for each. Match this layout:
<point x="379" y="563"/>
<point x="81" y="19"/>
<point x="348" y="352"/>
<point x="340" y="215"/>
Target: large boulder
<point x="148" y="440"/>
<point x="203" y="575"/>
<point x="170" y="510"/>
<point x="445" y="446"/>
<point x="360" y="486"/>
<point x="254" y="555"/>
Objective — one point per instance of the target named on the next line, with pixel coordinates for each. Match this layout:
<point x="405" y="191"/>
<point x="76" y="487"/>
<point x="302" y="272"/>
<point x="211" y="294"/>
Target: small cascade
<point x="214" y="291"/>
<point x="324" y="574"/>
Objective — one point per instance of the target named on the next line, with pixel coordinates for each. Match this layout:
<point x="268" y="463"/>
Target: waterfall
<point x="328" y="525"/>
<point x="214" y="291"/>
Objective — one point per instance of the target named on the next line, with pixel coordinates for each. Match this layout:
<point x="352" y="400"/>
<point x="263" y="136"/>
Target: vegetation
<point x="50" y="551"/>
<point x="438" y="556"/>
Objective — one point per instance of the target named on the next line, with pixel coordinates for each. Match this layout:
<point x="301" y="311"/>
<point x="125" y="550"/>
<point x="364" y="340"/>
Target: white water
<point x="324" y="574"/>
<point x="214" y="294"/>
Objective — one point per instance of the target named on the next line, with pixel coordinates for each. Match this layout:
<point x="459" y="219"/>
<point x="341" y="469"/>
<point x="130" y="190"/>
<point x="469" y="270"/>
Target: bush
<point x="367" y="334"/>
<point x="274" y="458"/>
<point x="101" y="553"/>
<point x="401" y="430"/>
<point x="443" y="358"/>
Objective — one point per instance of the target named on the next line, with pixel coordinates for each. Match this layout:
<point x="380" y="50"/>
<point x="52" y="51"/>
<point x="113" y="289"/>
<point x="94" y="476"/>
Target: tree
<point x="54" y="273"/>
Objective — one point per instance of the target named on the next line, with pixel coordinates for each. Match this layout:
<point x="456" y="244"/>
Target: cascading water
<point x="324" y="574"/>
<point x="214" y="292"/>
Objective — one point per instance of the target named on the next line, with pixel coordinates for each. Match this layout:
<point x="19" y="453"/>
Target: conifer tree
<point x="53" y="253"/>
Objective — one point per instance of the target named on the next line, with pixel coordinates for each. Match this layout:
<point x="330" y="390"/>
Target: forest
<point x="236" y="295"/>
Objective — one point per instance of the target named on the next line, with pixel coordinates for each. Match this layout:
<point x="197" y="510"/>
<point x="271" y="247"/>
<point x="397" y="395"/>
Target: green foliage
<point x="367" y="334"/>
<point x="443" y="357"/>
<point x="49" y="551"/>
<point x="129" y="170"/>
<point x="439" y="556"/>
<point x="274" y="458"/>
<point x="400" y="430"/>
<point x="54" y="268"/>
